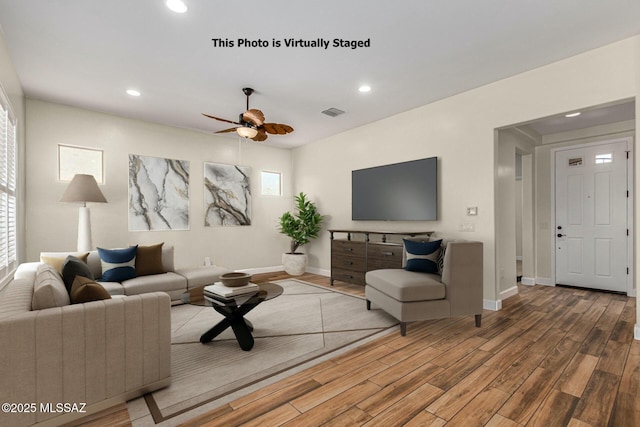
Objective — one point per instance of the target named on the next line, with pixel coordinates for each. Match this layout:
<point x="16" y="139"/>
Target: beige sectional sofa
<point x="92" y="354"/>
<point x="174" y="282"/>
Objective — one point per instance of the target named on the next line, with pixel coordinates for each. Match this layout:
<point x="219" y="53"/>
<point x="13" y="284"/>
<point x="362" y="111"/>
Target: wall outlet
<point x="207" y="261"/>
<point x="467" y="227"/>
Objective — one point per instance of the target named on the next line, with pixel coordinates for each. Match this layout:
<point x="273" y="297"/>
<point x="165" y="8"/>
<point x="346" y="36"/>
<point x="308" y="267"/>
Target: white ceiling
<point x="588" y="117"/>
<point x="87" y="53"/>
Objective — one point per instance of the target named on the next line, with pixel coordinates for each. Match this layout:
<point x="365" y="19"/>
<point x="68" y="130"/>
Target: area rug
<point x="304" y="323"/>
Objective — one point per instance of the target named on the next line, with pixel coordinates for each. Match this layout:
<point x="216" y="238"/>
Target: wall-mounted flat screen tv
<point x="406" y="191"/>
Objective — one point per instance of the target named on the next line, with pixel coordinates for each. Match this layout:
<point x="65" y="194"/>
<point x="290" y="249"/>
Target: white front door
<point x="591" y="216"/>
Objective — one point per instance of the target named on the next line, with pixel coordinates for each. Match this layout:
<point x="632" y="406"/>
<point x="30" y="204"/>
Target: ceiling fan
<point x="251" y="123"/>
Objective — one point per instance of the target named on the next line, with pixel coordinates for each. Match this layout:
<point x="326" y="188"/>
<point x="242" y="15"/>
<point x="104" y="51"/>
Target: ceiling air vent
<point x="332" y="112"/>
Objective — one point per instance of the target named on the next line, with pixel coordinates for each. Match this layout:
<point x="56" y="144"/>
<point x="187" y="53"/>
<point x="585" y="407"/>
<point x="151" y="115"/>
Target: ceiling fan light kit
<point x="247" y="132"/>
<point x="251" y="123"/>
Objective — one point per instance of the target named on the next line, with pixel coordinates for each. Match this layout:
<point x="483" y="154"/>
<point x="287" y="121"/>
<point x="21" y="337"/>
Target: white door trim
<point x="630" y="256"/>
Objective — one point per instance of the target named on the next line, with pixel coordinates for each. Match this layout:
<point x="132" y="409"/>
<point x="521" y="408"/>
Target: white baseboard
<point x="319" y="271"/>
<point x="529" y="281"/>
<point x="491" y="305"/>
<point x="545" y="281"/>
<point x="636" y="332"/>
<point x="276" y="268"/>
<point x="259" y="270"/>
<point x="508" y="293"/>
<point x="632" y="293"/>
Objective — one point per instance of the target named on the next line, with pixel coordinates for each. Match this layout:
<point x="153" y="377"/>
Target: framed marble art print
<point x="227" y="195"/>
<point x="158" y="193"/>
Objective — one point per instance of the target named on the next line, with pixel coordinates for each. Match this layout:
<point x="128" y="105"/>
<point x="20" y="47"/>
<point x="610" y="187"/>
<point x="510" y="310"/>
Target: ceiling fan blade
<point x="277" y="128"/>
<point x="254" y="116"/>
<point x="261" y="136"/>
<point x="227" y="130"/>
<point x="222" y="120"/>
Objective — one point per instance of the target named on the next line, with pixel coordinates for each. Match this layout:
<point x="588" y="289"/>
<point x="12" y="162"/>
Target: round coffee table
<point x="234" y="310"/>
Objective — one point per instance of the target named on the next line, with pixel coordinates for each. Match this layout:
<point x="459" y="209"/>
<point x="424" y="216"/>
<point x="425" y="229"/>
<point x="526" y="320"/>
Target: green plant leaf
<point x="303" y="225"/>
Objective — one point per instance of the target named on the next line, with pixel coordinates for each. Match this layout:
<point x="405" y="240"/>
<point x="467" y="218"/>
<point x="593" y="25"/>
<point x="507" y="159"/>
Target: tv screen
<point x="406" y="191"/>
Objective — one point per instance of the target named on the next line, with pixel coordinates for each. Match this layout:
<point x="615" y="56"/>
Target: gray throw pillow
<point x="73" y="267"/>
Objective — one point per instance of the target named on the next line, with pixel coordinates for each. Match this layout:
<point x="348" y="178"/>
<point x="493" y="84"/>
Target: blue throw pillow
<point x="422" y="256"/>
<point x="118" y="264"/>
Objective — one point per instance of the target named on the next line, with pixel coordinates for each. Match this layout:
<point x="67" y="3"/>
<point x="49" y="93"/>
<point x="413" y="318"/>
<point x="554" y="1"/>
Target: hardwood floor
<point x="550" y="357"/>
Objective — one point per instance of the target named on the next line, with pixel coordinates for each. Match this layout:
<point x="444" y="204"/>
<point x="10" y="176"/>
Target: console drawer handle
<point x="387" y="253"/>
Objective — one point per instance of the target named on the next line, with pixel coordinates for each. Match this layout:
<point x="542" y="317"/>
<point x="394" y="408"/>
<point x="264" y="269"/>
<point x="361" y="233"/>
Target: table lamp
<point x="83" y="189"/>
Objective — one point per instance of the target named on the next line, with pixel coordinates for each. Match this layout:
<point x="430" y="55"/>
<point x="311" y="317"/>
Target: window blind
<point x="8" y="179"/>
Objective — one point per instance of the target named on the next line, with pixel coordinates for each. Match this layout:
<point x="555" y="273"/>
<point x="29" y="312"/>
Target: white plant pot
<point x="295" y="264"/>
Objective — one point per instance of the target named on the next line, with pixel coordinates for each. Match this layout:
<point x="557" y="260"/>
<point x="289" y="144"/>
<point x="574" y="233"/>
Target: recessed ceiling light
<point x="133" y="92"/>
<point x="177" y="6"/>
<point x="576" y="114"/>
<point x="364" y="88"/>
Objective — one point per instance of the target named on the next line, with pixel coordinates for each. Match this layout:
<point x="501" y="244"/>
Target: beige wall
<point x="53" y="224"/>
<point x="507" y="215"/>
<point x="528" y="219"/>
<point x="460" y="131"/>
<point x="518" y="203"/>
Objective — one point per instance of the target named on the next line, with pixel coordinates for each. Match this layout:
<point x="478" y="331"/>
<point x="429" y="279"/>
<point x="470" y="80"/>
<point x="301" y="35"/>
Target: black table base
<point x="234" y="310"/>
<point x="234" y="318"/>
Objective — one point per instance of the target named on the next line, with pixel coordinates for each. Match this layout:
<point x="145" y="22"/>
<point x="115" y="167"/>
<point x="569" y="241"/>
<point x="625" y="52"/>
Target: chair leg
<point x="478" y="320"/>
<point x="403" y="328"/>
<point x="368" y="305"/>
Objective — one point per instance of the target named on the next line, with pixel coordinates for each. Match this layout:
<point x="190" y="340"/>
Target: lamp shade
<point x="83" y="188"/>
<point x="246" y="131"/>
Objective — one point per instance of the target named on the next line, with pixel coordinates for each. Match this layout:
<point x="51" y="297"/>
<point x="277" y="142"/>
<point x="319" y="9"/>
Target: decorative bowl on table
<point x="235" y="279"/>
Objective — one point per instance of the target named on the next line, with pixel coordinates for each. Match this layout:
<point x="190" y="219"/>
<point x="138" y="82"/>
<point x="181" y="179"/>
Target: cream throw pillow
<point x="57" y="261"/>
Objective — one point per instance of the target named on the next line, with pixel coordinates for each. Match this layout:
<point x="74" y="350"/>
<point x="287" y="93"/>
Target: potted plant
<point x="302" y="227"/>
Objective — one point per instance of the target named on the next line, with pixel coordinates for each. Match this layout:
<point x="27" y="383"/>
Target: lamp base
<point x="84" y="230"/>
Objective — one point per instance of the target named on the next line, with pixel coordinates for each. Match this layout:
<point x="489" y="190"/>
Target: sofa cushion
<point x="149" y="260"/>
<point x="48" y="289"/>
<point x="84" y="289"/>
<point x="167" y="258"/>
<point x="73" y="267"/>
<point x="158" y="282"/>
<point x="113" y="288"/>
<point x="118" y="264"/>
<point x="406" y="286"/>
<point x="57" y="261"/>
<point x="27" y="270"/>
<point x="202" y="276"/>
<point x="422" y="256"/>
